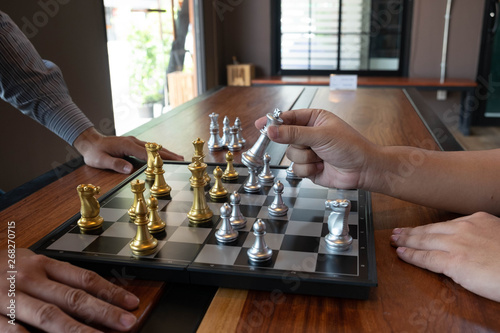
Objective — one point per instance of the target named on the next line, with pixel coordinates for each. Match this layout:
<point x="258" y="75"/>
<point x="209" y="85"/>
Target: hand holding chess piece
<point x="90" y="209"/>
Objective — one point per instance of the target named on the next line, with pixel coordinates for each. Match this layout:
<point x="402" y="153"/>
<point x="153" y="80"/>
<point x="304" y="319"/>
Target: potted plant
<point x="147" y="80"/>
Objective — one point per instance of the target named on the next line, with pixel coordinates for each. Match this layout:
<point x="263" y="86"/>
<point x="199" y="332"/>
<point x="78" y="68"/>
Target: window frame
<point x="403" y="52"/>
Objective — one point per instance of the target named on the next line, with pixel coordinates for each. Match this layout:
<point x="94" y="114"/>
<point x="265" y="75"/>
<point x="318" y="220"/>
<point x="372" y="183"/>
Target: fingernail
<point x="131" y="300"/>
<point x="127" y="320"/>
<point x="401" y="250"/>
<point x="127" y="169"/>
<point x="394" y="238"/>
<point x="397" y="230"/>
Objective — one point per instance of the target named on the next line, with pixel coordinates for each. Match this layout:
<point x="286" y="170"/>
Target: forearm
<point x="463" y="182"/>
<point x="36" y="87"/>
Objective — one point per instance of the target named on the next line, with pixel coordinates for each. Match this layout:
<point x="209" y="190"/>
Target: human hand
<point x="323" y="147"/>
<point x="106" y="152"/>
<point x="48" y="292"/>
<point x="465" y="249"/>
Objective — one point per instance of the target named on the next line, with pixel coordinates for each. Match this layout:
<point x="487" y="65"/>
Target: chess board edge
<point x="221" y="275"/>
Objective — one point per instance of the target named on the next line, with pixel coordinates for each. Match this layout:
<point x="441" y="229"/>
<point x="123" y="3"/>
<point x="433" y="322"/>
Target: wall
<point x="243" y="28"/>
<point x="466" y="21"/>
<point x="240" y="28"/>
<point x="71" y="33"/>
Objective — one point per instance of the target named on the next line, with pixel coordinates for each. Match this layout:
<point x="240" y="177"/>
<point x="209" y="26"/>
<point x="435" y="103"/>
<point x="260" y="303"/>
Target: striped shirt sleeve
<point x="36" y="87"/>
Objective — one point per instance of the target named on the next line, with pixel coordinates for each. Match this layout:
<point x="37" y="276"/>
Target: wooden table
<point x="407" y="299"/>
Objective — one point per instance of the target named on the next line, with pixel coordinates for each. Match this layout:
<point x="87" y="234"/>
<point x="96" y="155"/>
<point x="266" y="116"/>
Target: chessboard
<point x="300" y="263"/>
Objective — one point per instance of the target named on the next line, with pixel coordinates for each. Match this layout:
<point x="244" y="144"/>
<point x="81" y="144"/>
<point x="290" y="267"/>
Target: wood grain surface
<point x="407" y="299"/>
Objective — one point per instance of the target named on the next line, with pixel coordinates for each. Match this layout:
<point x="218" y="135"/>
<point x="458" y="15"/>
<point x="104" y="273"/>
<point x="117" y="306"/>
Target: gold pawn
<point x="138" y="187"/>
<point x="230" y="173"/>
<point x="143" y="243"/>
<point x="90" y="208"/>
<point x="155" y="224"/>
<point x="160" y="187"/>
<point x="152" y="149"/>
<point x="198" y="152"/>
<point x="199" y="213"/>
<point x="218" y="191"/>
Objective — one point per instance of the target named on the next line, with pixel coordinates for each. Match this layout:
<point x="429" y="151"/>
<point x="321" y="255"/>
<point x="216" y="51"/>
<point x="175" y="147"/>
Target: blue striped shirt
<point x="36" y="87"/>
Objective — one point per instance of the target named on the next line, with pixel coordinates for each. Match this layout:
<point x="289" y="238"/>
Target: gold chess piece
<point x="152" y="149"/>
<point x="160" y="187"/>
<point x="230" y="173"/>
<point x="143" y="243"/>
<point x="200" y="213"/>
<point x="155" y="223"/>
<point x="90" y="208"/>
<point x="138" y="187"/>
<point x="218" y="191"/>
<point x="198" y="152"/>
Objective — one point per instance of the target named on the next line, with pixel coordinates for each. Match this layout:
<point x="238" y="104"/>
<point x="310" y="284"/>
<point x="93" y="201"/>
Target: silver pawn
<point x="290" y="174"/>
<point x="278" y="207"/>
<point x="226" y="136"/>
<point x="252" y="184"/>
<point x="338" y="238"/>
<point x="226" y="233"/>
<point x="259" y="252"/>
<point x="237" y="219"/>
<point x="239" y="135"/>
<point x="234" y="145"/>
<point x="266" y="176"/>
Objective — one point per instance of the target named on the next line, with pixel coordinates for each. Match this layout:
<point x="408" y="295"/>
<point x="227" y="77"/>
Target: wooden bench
<point x="467" y="87"/>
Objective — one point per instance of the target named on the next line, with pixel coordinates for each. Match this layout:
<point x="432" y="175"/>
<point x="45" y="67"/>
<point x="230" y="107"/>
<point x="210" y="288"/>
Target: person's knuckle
<point x="89" y="279"/>
<point x="75" y="299"/>
<point x="47" y="314"/>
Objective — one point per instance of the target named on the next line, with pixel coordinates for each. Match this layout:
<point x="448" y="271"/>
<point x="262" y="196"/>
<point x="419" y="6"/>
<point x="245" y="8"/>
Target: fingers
<point x="77" y="303"/>
<point x="168" y="155"/>
<point x="424" y="241"/>
<point x="10" y="328"/>
<point x="89" y="281"/>
<point x="308" y="170"/>
<point x="299" y="117"/>
<point x="435" y="261"/>
<point x="68" y="289"/>
<point x="46" y="316"/>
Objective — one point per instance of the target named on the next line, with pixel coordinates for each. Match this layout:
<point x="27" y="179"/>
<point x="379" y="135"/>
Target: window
<point x="339" y="36"/>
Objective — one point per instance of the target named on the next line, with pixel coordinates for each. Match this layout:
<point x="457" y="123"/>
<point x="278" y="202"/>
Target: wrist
<point x="86" y="140"/>
<point x="377" y="169"/>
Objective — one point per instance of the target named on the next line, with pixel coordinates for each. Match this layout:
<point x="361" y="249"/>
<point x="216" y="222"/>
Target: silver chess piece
<point x="253" y="158"/>
<point x="226" y="135"/>
<point x="226" y="233"/>
<point x="234" y="145"/>
<point x="259" y="252"/>
<point x="214" y="140"/>
<point x="239" y="135"/>
<point x="338" y="238"/>
<point x="278" y="207"/>
<point x="237" y="219"/>
<point x="266" y="176"/>
<point x="290" y="174"/>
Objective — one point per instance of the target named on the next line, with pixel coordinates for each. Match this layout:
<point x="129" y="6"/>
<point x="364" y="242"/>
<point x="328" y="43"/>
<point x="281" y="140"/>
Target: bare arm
<point x="333" y="154"/>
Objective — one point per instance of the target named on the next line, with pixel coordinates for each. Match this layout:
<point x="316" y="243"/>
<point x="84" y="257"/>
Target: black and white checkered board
<point x="301" y="263"/>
